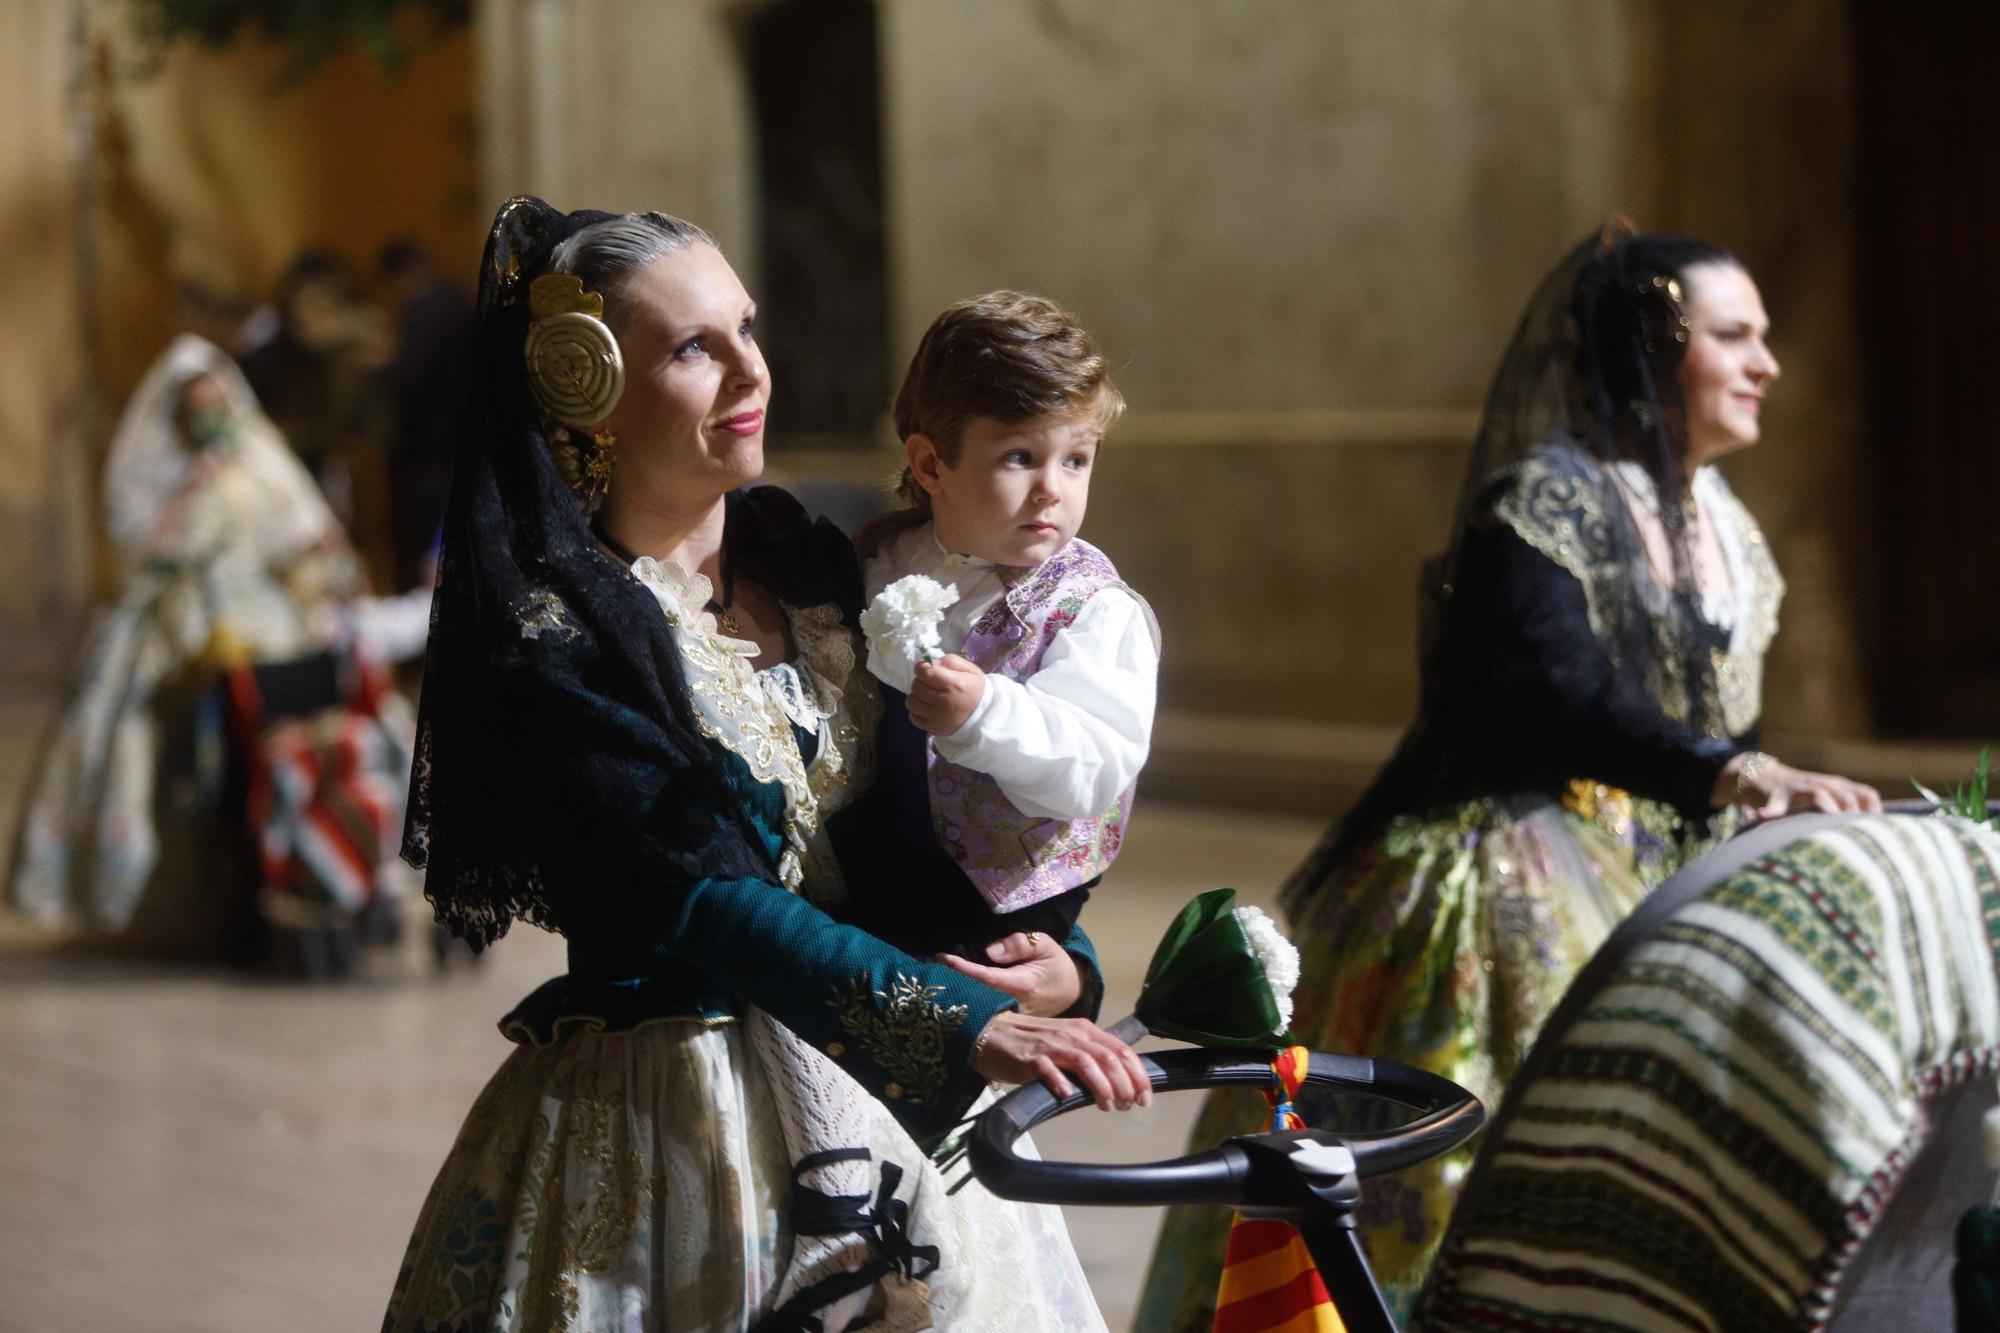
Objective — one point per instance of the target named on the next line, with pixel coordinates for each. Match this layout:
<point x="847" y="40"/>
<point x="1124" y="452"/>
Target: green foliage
<point x="1968" y="799"/>
<point x="313" y="31"/>
<point x="1206" y="984"/>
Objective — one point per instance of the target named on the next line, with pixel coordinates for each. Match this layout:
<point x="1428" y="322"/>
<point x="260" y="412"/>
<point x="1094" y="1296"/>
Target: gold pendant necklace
<point x="724" y="621"/>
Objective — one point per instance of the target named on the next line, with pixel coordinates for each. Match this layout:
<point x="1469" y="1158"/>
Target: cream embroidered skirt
<point x="643" y="1181"/>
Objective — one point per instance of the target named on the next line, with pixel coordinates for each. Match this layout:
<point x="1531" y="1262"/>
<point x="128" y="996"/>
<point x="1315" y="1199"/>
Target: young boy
<point x="1007" y="765"/>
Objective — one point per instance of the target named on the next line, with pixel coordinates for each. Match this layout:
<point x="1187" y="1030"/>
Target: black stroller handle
<point x="1221" y="1175"/>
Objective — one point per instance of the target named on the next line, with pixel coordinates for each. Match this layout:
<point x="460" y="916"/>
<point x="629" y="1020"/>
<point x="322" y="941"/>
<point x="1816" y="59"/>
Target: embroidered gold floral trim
<point x="730" y="706"/>
<point x="564" y="1229"/>
<point x="1739" y="674"/>
<point x="847" y="697"/>
<point x="1566" y="519"/>
<point x="903" y="1029"/>
<point x="542" y="612"/>
<point x="838" y="678"/>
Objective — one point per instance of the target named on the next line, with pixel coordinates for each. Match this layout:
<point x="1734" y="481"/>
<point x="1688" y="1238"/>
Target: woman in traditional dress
<point x="644" y="694"/>
<point x="1592" y="675"/>
<point x="229" y="555"/>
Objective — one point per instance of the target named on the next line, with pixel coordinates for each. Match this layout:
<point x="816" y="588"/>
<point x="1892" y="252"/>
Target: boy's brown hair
<point x="1005" y="355"/>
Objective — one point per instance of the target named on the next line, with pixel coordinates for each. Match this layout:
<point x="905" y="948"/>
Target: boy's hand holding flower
<point x="944" y="693"/>
<point x="903" y="622"/>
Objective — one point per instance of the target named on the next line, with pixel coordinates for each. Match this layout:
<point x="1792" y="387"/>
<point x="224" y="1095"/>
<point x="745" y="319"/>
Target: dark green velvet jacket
<point x="701" y="950"/>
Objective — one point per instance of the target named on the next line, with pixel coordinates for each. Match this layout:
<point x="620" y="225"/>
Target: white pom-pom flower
<point x="1276" y="954"/>
<point x="903" y="619"/>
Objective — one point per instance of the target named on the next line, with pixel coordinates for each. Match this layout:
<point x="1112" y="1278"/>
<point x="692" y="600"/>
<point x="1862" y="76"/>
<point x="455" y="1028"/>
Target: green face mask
<point x="210" y="426"/>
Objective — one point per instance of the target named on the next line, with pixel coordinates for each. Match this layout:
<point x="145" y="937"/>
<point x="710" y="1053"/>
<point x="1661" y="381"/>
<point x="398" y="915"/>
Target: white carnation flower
<point x="1277" y="956"/>
<point x="903" y="619"/>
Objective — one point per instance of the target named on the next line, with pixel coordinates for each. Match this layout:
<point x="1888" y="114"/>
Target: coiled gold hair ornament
<point x="575" y="369"/>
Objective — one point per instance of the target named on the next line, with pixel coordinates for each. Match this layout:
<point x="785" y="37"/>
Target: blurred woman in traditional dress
<point x="1591" y="687"/>
<point x="229" y="556"/>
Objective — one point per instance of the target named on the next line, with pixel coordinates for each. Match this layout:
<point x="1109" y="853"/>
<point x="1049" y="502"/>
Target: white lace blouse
<point x="823" y="692"/>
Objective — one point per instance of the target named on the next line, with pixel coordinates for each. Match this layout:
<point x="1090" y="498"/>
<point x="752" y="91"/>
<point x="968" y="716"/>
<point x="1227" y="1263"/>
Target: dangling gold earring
<point x="597" y="467"/>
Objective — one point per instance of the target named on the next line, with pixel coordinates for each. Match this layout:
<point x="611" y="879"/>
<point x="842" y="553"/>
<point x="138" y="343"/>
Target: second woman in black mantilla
<point x="1592" y="684"/>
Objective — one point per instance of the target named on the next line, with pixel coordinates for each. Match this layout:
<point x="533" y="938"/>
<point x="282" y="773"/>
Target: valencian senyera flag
<point x="1269" y="1283"/>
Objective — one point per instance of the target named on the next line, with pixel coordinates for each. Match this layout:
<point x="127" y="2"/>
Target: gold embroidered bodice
<point x="1551" y="503"/>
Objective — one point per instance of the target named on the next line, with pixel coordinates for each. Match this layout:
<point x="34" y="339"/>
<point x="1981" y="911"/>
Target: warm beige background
<point x="121" y="179"/>
<point x="1303" y="227"/>
<point x="44" y="420"/>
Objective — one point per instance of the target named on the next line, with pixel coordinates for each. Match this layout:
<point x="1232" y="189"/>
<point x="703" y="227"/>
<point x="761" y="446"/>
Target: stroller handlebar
<point x="1224" y="1174"/>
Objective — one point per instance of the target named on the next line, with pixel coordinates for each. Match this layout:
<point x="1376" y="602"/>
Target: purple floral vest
<point x="1014" y="859"/>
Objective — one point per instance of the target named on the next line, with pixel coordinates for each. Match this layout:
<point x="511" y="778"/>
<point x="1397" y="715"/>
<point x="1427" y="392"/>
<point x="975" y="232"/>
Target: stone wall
<point x="619" y="104"/>
<point x="45" y="409"/>
<point x="1303" y="228"/>
<point x="122" y="178"/>
<point x="1751" y="143"/>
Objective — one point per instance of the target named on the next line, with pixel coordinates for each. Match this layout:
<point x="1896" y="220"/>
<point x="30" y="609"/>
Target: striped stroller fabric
<point x="324" y="794"/>
<point x="328" y="807"/>
<point x="1708" y="1130"/>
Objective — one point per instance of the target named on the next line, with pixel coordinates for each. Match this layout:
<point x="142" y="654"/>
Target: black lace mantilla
<point x="557" y="753"/>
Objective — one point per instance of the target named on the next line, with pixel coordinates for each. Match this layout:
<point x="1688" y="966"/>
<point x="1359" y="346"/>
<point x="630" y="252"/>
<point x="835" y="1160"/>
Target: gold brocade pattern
<point x="1567" y="520"/>
<point x="641" y="1180"/>
<point x="542" y="613"/>
<point x="1739" y="674"/>
<point x="1444" y="944"/>
<point x="834" y="674"/>
<point x="593" y="1231"/>
<point x="850" y="702"/>
<point x="903" y="1029"/>
<point x="556" y="1244"/>
<point x="731" y="709"/>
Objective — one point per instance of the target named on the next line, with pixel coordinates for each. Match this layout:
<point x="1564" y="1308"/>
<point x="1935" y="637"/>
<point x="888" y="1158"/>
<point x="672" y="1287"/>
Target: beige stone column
<point x="619" y="104"/>
<point x="1753" y="137"/>
<point x="46" y="409"/>
<point x="1304" y="231"/>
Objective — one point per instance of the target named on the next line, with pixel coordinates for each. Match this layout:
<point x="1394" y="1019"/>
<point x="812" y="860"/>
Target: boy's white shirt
<point x="1067" y="741"/>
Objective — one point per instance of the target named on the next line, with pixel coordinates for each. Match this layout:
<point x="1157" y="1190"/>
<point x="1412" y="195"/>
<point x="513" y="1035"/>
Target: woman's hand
<point x="1038" y="972"/>
<point x="1017" y="1048"/>
<point x="1767" y="789"/>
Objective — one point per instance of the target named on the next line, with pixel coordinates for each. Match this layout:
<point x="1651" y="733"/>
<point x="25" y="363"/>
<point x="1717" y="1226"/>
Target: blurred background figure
<point x="429" y="375"/>
<point x="134" y="833"/>
<point x="1592" y="672"/>
<point x="223" y="318"/>
<point x="321" y="374"/>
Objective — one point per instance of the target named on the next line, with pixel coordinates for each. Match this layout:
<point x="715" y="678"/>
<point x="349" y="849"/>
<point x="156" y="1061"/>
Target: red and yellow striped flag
<point x="1269" y="1283"/>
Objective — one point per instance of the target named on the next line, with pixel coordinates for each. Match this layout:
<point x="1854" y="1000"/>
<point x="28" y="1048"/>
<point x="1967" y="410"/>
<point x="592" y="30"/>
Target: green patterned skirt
<point x="1444" y="944"/>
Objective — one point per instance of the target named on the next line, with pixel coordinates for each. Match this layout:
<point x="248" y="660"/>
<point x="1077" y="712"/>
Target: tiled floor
<point x="188" y="1150"/>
